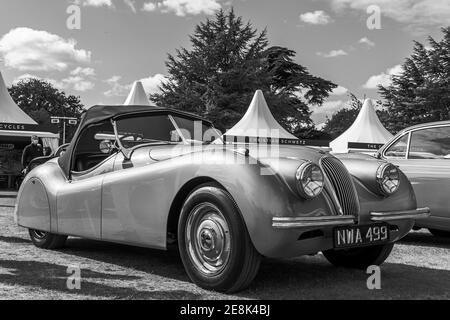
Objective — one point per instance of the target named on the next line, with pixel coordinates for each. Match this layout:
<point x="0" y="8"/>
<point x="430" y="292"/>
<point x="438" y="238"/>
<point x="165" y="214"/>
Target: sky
<point x="96" y="49"/>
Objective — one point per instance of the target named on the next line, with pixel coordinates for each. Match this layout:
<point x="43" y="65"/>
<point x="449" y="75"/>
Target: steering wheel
<point x="129" y="135"/>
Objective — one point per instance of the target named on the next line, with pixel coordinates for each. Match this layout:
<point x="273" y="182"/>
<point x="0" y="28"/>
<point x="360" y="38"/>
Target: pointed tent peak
<point x="259" y="95"/>
<point x="368" y="104"/>
<point x="258" y="121"/>
<point x="137" y="95"/>
<point x="9" y="110"/>
<point x="367" y="128"/>
<point x="368" y="113"/>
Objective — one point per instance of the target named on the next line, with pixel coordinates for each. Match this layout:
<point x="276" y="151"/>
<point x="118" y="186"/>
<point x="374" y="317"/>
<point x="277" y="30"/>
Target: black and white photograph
<point x="224" y="156"/>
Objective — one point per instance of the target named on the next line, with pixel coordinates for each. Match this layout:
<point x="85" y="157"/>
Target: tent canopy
<point x="14" y="120"/>
<point x="367" y="129"/>
<point x="258" y="121"/>
<point x="9" y="111"/>
<point x="137" y="96"/>
<point x="12" y="133"/>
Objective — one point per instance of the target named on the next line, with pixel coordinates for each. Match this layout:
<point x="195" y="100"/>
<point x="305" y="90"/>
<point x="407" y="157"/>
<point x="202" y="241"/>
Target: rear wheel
<point x="214" y="244"/>
<point x="440" y="233"/>
<point x="359" y="258"/>
<point x="47" y="240"/>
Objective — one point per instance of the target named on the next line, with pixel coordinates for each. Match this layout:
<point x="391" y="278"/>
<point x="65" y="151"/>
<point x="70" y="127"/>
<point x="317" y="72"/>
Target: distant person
<point x="31" y="151"/>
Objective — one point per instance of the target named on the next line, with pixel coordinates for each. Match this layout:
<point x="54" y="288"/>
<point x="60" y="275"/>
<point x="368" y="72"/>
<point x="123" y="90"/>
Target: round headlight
<point x="309" y="180"/>
<point x="388" y="178"/>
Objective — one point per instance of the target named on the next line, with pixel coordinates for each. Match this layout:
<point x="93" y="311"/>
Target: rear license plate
<point x="359" y="236"/>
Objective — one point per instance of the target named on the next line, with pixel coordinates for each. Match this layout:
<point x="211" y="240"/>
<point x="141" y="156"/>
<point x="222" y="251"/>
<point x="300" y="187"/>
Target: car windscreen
<point x="134" y="131"/>
<point x="196" y="130"/>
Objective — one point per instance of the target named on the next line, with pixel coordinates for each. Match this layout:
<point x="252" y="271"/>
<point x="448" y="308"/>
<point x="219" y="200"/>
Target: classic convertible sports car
<point x="423" y="154"/>
<point x="141" y="176"/>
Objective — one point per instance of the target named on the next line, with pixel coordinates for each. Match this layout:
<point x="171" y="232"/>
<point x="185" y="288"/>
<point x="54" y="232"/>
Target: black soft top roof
<point x="100" y="113"/>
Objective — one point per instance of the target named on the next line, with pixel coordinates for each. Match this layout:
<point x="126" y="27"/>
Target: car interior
<point x="87" y="153"/>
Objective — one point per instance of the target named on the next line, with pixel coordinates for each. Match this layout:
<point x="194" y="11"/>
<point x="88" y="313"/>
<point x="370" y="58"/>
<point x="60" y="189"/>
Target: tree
<point x="421" y="93"/>
<point x="342" y="119"/>
<point x="40" y="100"/>
<point x="228" y="62"/>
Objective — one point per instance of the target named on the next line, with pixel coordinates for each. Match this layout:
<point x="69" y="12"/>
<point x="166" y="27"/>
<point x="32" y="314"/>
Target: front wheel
<point x="439" y="233"/>
<point x="359" y="258"/>
<point x="47" y="240"/>
<point x="214" y="244"/>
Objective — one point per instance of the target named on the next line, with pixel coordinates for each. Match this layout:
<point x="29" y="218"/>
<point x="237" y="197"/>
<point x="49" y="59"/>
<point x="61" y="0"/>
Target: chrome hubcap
<point x="208" y="239"/>
<point x="40" y="234"/>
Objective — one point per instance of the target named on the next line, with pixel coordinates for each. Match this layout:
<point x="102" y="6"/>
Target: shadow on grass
<point x="14" y="240"/>
<point x="51" y="276"/>
<point x="314" y="278"/>
<point x="300" y="278"/>
<point x="425" y="239"/>
<point x="163" y="263"/>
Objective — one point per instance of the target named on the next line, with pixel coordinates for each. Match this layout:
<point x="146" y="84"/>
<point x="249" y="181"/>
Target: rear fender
<point x="33" y="206"/>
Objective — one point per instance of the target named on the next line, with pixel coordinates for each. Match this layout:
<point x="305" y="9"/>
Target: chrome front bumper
<point x="326" y="221"/>
<point x="419" y="213"/>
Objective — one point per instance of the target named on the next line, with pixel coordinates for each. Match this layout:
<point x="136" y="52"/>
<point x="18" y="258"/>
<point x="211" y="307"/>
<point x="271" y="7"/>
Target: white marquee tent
<point x="13" y="120"/>
<point x="366" y="133"/>
<point x="9" y="111"/>
<point x="137" y="95"/>
<point x="258" y="121"/>
<point x="16" y="128"/>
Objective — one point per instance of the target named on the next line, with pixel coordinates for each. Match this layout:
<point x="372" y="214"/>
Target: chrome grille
<point x="342" y="183"/>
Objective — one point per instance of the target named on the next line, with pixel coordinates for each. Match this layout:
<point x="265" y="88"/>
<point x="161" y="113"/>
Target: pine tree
<point x="421" y="93"/>
<point x="227" y="62"/>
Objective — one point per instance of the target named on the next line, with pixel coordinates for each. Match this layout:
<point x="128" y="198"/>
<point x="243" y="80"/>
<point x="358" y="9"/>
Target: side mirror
<point x="106" y="146"/>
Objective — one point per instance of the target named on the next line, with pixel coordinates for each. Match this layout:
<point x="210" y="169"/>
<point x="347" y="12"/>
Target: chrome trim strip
<point x="419" y="213"/>
<point x="299" y="222"/>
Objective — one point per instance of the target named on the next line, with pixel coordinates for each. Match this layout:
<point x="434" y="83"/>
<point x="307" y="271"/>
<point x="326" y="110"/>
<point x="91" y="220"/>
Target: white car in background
<point x="423" y="153"/>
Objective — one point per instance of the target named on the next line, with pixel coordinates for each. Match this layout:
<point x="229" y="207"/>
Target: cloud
<point x="383" y="78"/>
<point x="88" y="72"/>
<point x="182" y="8"/>
<point x="412" y="13"/>
<point x="332" y="53"/>
<point x="95" y="3"/>
<point x="339" y="91"/>
<point x="317" y="17"/>
<point x="149" y="7"/>
<point x="119" y="89"/>
<point x="78" y="83"/>
<point x="80" y="79"/>
<point x="27" y="49"/>
<point x="367" y="42"/>
<point x="331" y="106"/>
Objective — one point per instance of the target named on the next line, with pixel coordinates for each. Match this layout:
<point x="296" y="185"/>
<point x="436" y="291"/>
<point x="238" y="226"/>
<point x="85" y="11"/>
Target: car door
<point x="135" y="197"/>
<point x="79" y="201"/>
<point x="426" y="162"/>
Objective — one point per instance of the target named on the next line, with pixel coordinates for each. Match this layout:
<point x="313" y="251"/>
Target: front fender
<point x="261" y="197"/>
